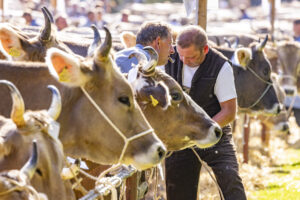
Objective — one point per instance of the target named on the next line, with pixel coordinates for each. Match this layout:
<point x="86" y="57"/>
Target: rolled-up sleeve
<point x="225" y="86"/>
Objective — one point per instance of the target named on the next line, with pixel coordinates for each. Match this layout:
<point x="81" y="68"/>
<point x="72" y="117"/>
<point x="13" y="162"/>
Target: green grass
<point x="287" y="186"/>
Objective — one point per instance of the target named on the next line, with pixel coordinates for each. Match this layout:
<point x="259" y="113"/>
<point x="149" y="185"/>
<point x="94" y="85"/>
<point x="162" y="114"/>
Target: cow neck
<point x="126" y="140"/>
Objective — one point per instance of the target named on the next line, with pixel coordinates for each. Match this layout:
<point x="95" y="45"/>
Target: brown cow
<point x="16" y="136"/>
<point x="252" y="75"/>
<point x="85" y="131"/>
<point x="17" y="46"/>
<point x="289" y="57"/>
<point x="15" y="184"/>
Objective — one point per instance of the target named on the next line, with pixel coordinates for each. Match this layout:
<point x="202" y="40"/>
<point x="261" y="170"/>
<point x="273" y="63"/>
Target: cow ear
<point x="156" y="95"/>
<point x="10" y="42"/>
<point x="243" y="56"/>
<point x="4" y="148"/>
<point x="66" y="68"/>
<point x="128" y="39"/>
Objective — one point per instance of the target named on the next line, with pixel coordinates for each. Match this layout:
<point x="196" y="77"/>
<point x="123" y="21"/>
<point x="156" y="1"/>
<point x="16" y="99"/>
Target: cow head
<point x="104" y="97"/>
<point x="16" y="136"/>
<point x="178" y="121"/>
<point x="253" y="82"/>
<point x="15" y="184"/>
<point x="289" y="57"/>
<point x="17" y="46"/>
<point x="279" y="122"/>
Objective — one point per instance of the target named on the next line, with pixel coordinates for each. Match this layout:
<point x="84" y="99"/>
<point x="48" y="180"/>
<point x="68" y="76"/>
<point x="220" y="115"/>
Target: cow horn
<point x="227" y="41"/>
<point x="153" y="59"/>
<point x="18" y="107"/>
<point x="140" y="57"/>
<point x="96" y="42"/>
<point x="49" y="14"/>
<point x="147" y="67"/>
<point x="55" y="107"/>
<point x="261" y="46"/>
<point x="104" y="49"/>
<point x="236" y="42"/>
<point x="46" y="31"/>
<point x="31" y="165"/>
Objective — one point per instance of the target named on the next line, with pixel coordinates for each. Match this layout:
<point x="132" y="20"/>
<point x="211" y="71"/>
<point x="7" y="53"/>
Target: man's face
<point x="191" y="56"/>
<point x="296" y="30"/>
<point x="61" y="23"/>
<point x="164" y="49"/>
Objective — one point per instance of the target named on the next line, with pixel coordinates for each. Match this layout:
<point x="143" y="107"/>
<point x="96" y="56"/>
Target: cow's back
<point x="31" y="79"/>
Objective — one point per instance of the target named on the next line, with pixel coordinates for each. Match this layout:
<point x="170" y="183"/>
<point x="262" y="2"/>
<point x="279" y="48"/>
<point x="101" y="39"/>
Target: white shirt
<point x="224" y="88"/>
<point x="162" y="67"/>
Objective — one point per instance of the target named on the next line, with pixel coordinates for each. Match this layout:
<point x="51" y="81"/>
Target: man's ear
<point x="205" y="49"/>
<point x="157" y="42"/>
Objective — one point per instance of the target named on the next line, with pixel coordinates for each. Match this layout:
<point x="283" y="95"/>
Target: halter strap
<point x="126" y="140"/>
<point x="264" y="92"/>
<point x="20" y="186"/>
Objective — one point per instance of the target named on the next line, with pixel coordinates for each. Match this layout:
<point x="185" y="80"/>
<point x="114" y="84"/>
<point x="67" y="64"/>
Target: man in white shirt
<point x="206" y="75"/>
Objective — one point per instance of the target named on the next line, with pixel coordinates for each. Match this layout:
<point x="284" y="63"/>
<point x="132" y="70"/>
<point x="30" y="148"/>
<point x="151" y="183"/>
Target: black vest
<point x="204" y="79"/>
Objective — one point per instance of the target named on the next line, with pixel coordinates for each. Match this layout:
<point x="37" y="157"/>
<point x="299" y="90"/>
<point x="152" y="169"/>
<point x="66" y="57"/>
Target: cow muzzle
<point x="154" y="155"/>
<point x="290" y="90"/>
<point x="275" y="110"/>
<point x="213" y="136"/>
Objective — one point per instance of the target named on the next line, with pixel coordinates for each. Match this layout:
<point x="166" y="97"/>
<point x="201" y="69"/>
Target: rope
<point x="123" y="190"/>
<point x="77" y="185"/>
<point x="289" y="111"/>
<point x="20" y="187"/>
<point x="213" y="178"/>
<point x="265" y="91"/>
<point x="126" y="140"/>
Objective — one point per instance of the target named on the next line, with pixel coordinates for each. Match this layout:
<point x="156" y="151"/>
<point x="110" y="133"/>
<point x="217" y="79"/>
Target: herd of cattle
<point x="96" y="114"/>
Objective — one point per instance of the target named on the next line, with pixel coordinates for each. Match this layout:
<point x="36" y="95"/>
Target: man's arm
<point x="226" y="94"/>
<point x="227" y="113"/>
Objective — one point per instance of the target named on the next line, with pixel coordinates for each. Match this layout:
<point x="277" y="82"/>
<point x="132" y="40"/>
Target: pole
<point x="202" y="13"/>
<point x="54" y="4"/>
<point x="272" y="17"/>
<point x="2" y="10"/>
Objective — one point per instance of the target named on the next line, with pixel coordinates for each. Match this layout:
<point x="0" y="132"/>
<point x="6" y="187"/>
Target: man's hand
<point x="227" y="113"/>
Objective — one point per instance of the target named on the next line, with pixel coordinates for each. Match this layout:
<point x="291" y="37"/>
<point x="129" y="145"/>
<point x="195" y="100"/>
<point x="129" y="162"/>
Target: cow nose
<point x="285" y="127"/>
<point x="289" y="91"/>
<point x="218" y="132"/>
<point x="161" y="152"/>
<point x="279" y="109"/>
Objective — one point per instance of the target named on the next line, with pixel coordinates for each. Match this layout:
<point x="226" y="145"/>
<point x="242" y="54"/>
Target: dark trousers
<point x="183" y="168"/>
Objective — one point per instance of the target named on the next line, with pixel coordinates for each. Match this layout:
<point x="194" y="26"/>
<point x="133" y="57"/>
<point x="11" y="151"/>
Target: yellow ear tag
<point x="64" y="75"/>
<point x="153" y="101"/>
<point x="14" y="52"/>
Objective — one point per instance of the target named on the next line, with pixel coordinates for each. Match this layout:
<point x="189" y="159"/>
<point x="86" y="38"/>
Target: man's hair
<point x="149" y="31"/>
<point x="297" y="21"/>
<point x="192" y="35"/>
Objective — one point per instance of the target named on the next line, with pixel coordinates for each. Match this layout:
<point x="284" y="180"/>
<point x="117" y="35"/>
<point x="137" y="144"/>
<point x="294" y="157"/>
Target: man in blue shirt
<point x="155" y="34"/>
<point x="296" y="29"/>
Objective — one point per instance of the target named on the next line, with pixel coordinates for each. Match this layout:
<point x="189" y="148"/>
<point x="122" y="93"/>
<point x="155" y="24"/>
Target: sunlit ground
<point x="272" y="174"/>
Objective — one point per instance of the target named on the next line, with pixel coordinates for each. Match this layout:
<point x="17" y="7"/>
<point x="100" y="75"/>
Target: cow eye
<point x="266" y="71"/>
<point x="124" y="100"/>
<point x="176" y="96"/>
<point x="39" y="172"/>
